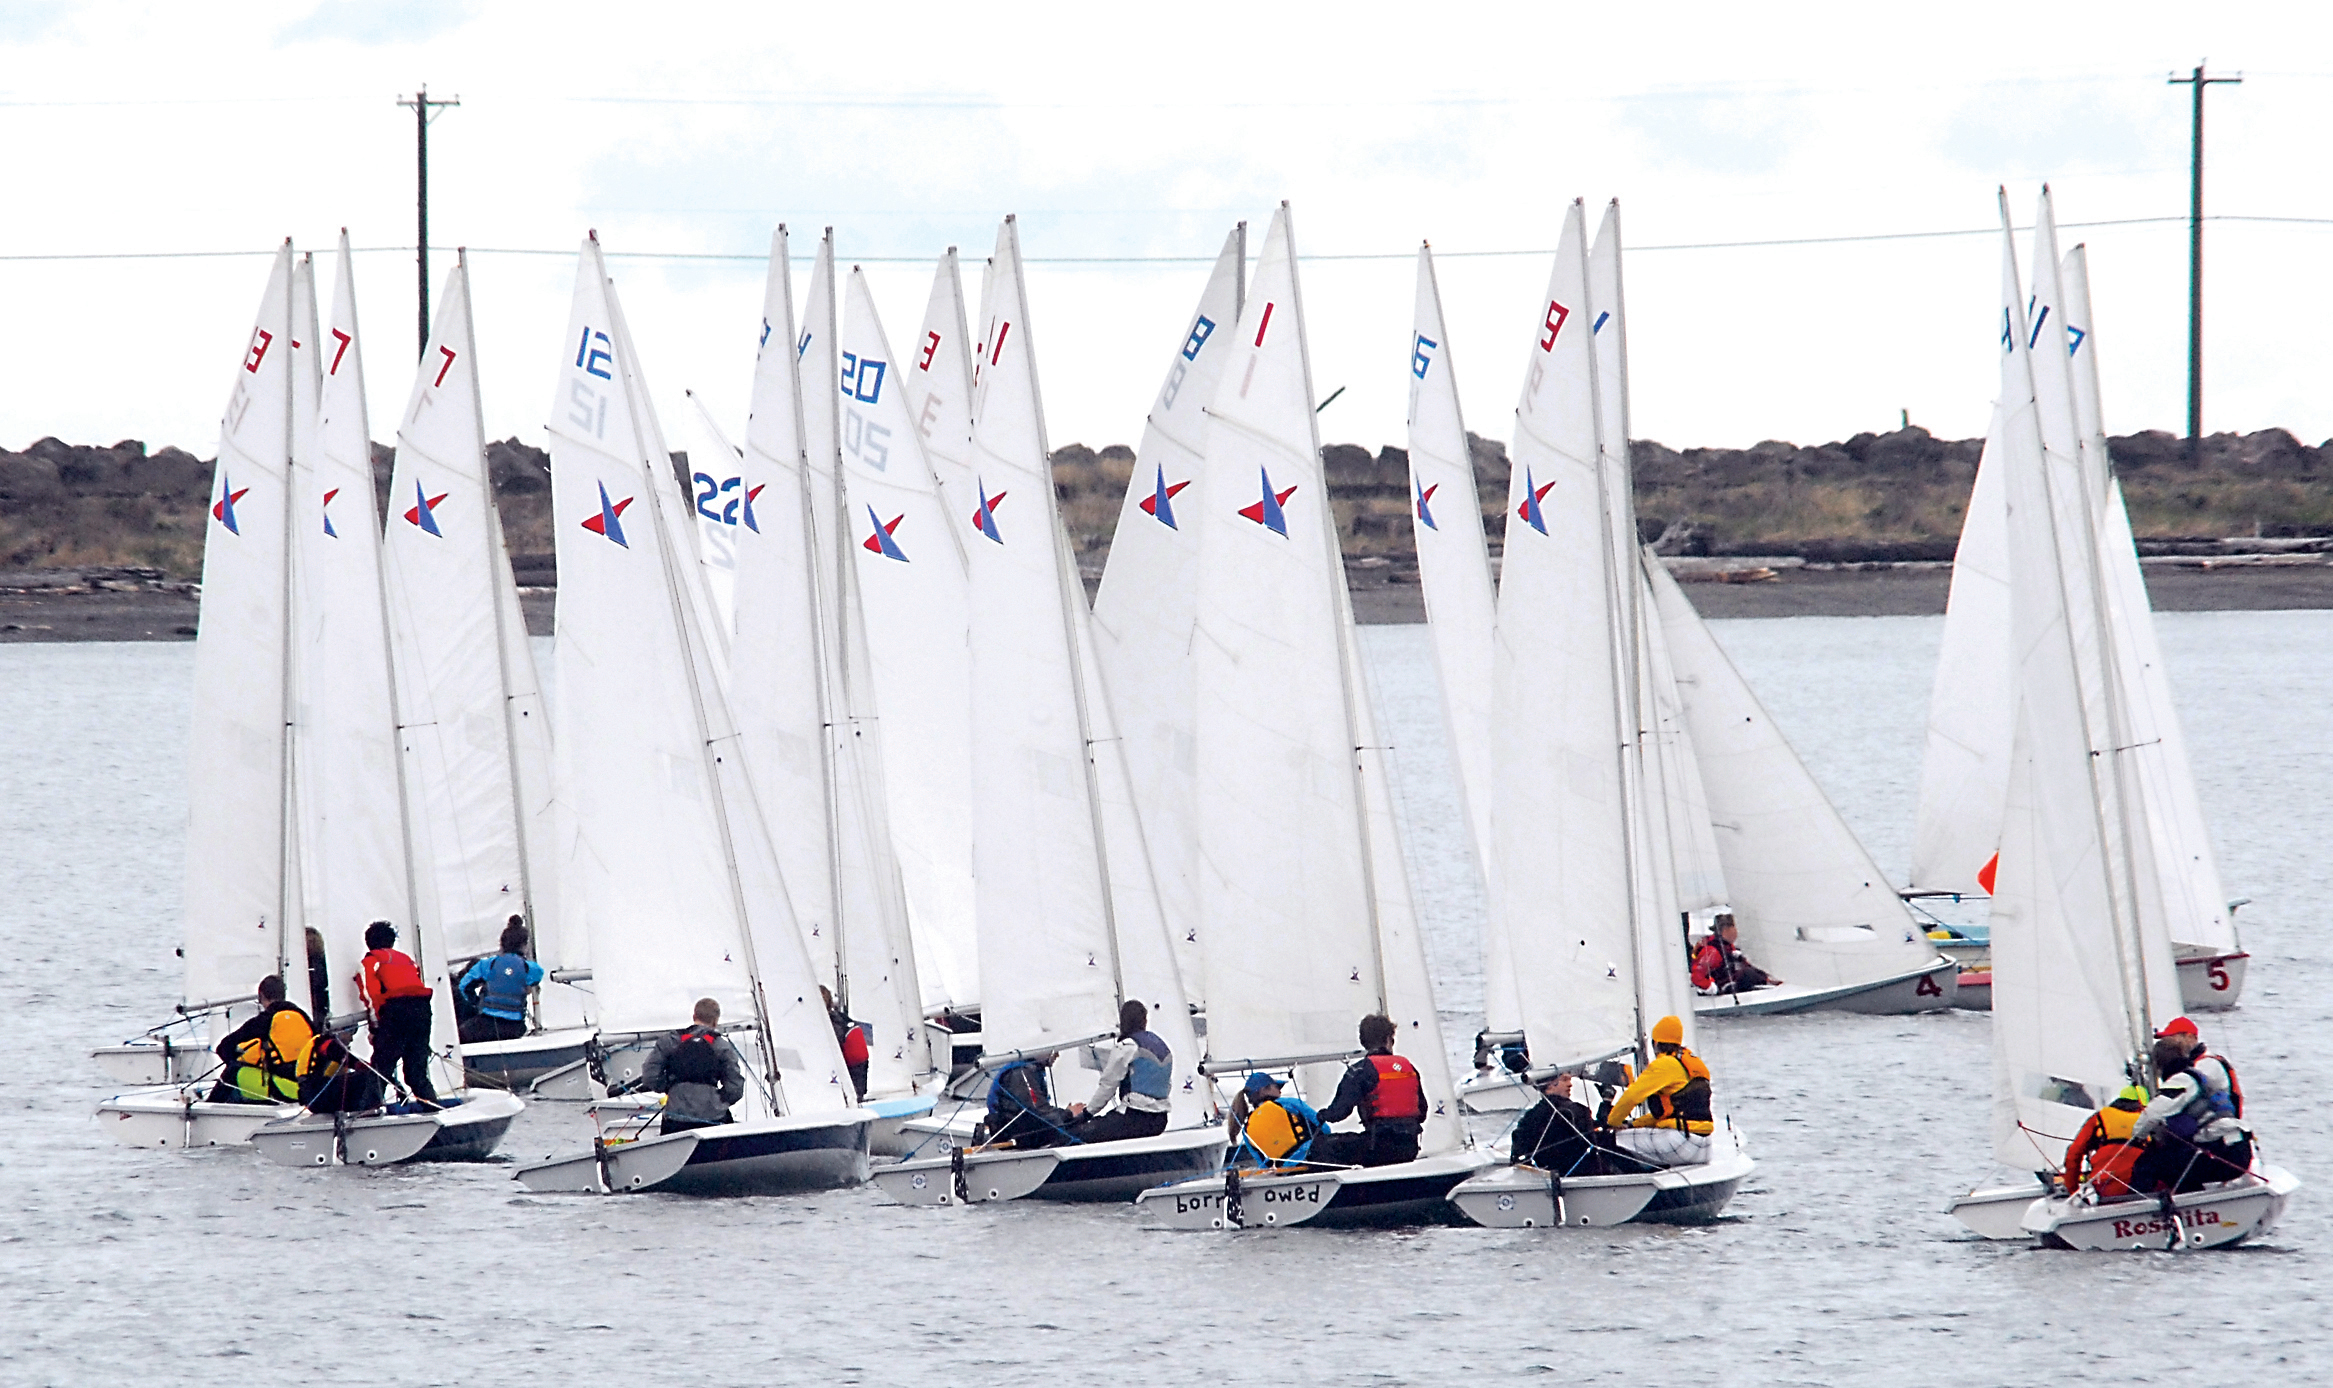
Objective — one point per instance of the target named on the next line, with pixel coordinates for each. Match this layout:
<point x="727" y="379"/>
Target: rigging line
<point x="762" y="258"/>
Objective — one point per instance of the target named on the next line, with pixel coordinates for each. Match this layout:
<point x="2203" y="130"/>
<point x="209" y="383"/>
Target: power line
<point x="760" y="258"/>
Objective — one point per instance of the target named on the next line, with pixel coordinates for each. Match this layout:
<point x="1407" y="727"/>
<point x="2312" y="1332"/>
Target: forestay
<point x="672" y="870"/>
<point x="1147" y="607"/>
<point x="240" y="912"/>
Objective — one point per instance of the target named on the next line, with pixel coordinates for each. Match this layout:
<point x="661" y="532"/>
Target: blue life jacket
<point x="1004" y="1105"/>
<point x="507" y="980"/>
<point x="1152" y="1074"/>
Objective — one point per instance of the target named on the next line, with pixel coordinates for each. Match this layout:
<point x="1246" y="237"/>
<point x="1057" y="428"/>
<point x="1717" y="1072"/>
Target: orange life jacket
<point x="390" y="973"/>
<point x="1398" y="1095"/>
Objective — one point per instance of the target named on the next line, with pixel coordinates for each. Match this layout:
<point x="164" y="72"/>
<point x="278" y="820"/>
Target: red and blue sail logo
<point x="1533" y="494"/>
<point x="423" y="511"/>
<point x="984" y="515"/>
<point x="880" y="541"/>
<point x="1425" y="509"/>
<point x="326" y="508"/>
<point x="752" y="492"/>
<point x="1267" y="512"/>
<point x="1160" y="502"/>
<point x="608" y="522"/>
<point x="223" y="510"/>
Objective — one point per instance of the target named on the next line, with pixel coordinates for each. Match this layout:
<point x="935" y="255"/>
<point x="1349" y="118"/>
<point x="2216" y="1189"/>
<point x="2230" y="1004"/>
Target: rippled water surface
<point x="1836" y="1264"/>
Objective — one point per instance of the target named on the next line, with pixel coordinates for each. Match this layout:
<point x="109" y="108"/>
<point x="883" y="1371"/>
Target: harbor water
<point x="1836" y="1263"/>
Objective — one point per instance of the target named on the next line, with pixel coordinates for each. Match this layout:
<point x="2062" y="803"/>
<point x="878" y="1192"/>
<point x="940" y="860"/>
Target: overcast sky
<point x="1143" y="133"/>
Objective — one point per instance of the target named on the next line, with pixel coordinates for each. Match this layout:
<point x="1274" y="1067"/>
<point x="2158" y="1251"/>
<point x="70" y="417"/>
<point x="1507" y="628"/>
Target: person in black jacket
<point x="1559" y="1135"/>
<point x="1386" y="1090"/>
<point x="698" y="1071"/>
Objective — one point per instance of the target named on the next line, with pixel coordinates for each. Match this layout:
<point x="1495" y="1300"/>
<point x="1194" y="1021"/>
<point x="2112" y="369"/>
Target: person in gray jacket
<point x="698" y="1071"/>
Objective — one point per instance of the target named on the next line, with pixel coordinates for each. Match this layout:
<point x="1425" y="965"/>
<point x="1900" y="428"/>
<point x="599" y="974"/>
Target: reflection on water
<point x="218" y="1268"/>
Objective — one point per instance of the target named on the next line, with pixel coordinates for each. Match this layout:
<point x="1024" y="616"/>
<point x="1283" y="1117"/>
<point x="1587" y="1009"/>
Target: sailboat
<point x="1964" y="774"/>
<point x="1146" y="610"/>
<point x="1306" y="918"/>
<point x="671" y="868"/>
<point x="1579" y="879"/>
<point x="801" y="688"/>
<point x="241" y="895"/>
<point x="473" y="732"/>
<point x="2082" y="959"/>
<point x="1070" y="926"/>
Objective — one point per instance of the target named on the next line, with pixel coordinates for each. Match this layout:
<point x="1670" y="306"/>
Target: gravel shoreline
<point x="167" y="613"/>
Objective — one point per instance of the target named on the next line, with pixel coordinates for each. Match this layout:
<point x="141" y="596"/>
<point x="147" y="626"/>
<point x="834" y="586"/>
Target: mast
<point x="286" y="821"/>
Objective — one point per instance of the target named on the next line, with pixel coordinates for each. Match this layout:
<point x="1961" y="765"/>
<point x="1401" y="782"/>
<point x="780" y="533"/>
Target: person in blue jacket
<point x="1277" y="1130"/>
<point x="503" y="982"/>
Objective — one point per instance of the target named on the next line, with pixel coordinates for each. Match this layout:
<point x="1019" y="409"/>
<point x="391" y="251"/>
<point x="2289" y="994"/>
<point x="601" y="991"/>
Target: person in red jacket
<point x="1386" y="1090"/>
<point x="399" y="1003"/>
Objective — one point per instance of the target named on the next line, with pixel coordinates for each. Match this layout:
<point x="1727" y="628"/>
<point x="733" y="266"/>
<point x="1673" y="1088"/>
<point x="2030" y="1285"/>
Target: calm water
<point x="1836" y="1265"/>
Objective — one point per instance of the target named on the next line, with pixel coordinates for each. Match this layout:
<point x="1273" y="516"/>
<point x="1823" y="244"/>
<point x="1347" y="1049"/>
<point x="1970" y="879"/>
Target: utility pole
<point x="425" y="111"/>
<point x="2195" y="263"/>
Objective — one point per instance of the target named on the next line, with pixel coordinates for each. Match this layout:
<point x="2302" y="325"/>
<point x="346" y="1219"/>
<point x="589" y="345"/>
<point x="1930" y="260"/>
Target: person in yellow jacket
<point x="1673" y="1093"/>
<point x="266" y="1056"/>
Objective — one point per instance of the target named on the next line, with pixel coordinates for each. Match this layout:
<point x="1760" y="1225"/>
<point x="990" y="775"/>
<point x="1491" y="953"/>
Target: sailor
<point x="1387" y="1092"/>
<point x="1719" y="966"/>
<point x="1138" y="1077"/>
<point x="2198" y="1133"/>
<point x="399" y="1005"/>
<point x="1559" y="1134"/>
<point x="1673" y="1091"/>
<point x="1279" y="1129"/>
<point x="698" y="1071"/>
<point x="851" y="1036"/>
<point x="2218" y="1076"/>
<point x="501" y="982"/>
<point x="2104" y="1150"/>
<point x="266" y="1056"/>
<point x="1020" y="1107"/>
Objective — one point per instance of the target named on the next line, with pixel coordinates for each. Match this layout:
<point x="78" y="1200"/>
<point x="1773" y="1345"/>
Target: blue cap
<point x="1259" y="1082"/>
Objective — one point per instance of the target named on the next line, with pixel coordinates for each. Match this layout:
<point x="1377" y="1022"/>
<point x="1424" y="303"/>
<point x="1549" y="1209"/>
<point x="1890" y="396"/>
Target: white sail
<point x="1069" y="917"/>
<point x="475" y="738"/>
<point x="354" y="851"/>
<point x="1461" y="607"/>
<point x="2195" y="901"/>
<point x="938" y="380"/>
<point x="1287" y="908"/>
<point x="2072" y="988"/>
<point x="1812" y="905"/>
<point x="238" y="904"/>
<point x="824" y="796"/>
<point x="717" y="492"/>
<point x="1661" y="842"/>
<point x="910" y="633"/>
<point x="1689" y="839"/>
<point x="1964" y="772"/>
<point x="672" y="872"/>
<point x="1147" y="607"/>
<point x="1560" y="882"/>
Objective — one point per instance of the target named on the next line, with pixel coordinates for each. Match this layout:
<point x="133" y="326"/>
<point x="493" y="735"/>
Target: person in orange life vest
<point x="266" y="1056"/>
<point x="399" y="1004"/>
<point x="699" y="1073"/>
<point x="852" y="1037"/>
<point x="1720" y="967"/>
<point x="2104" y="1150"/>
<point x="1385" y="1090"/>
<point x="1673" y="1091"/>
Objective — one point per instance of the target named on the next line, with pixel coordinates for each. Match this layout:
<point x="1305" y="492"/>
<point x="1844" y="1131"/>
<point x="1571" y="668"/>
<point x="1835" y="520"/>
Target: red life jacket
<point x="854" y="1044"/>
<point x="1707" y="960"/>
<point x="1398" y="1094"/>
<point x="389" y="974"/>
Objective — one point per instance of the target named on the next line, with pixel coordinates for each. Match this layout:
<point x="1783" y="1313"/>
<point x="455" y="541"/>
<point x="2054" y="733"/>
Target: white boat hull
<point x="1415" y="1192"/>
<point x="1092" y="1173"/>
<point x="472" y="1129"/>
<point x="888" y="1135"/>
<point x="518" y="1063"/>
<point x="1495" y="1092"/>
<point x="160" y="1060"/>
<point x="2215" y="1217"/>
<point x="1525" y="1197"/>
<point x="1996" y="1213"/>
<point x="1926" y="989"/>
<point x="379" y="1139"/>
<point x="2212" y="982"/>
<point x="169" y="1116"/>
<point x="770" y="1156"/>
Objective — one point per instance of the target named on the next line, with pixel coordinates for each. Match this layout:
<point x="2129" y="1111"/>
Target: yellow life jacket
<point x="2115" y="1123"/>
<point x="271" y="1067"/>
<point x="1275" y="1130"/>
